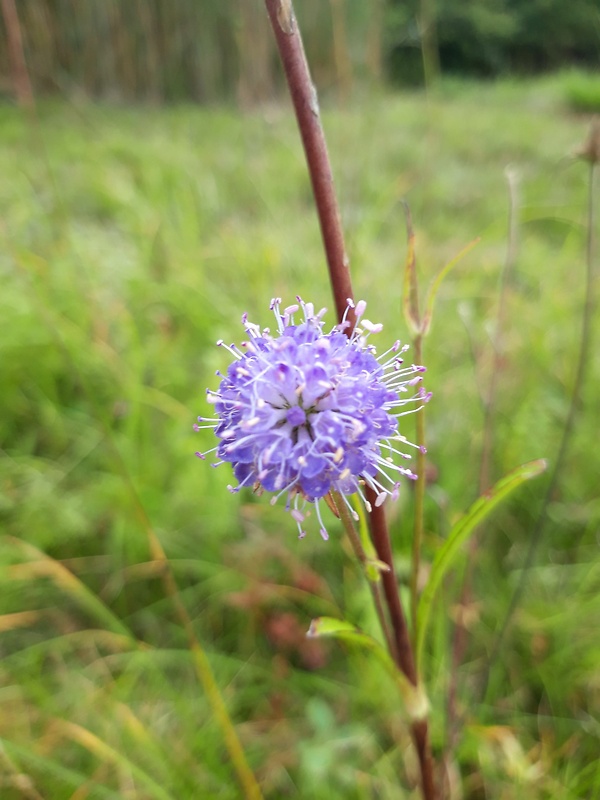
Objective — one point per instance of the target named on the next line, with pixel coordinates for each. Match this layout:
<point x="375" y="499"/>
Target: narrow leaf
<point x="460" y="533"/>
<point x="43" y="566"/>
<point x="415" y="700"/>
<point x="107" y="754"/>
<point x="433" y="289"/>
<point x="49" y="765"/>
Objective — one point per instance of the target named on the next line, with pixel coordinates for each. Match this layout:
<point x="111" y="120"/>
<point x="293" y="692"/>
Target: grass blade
<point x="47" y="567"/>
<point x="104" y="752"/>
<point x="460" y="533"/>
<point x="433" y="289"/>
<point x="414" y="698"/>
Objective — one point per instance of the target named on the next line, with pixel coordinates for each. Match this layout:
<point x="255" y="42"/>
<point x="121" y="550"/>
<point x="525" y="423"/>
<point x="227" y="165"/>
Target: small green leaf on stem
<point x="446" y="555"/>
<point x="415" y="700"/>
<point x="374" y="567"/>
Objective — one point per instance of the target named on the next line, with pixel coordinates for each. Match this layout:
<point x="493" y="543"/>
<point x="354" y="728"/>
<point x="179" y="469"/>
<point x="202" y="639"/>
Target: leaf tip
<point x="538" y="466"/>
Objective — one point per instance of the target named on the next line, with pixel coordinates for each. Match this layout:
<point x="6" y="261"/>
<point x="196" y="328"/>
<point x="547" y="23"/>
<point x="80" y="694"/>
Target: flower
<point x="302" y="413"/>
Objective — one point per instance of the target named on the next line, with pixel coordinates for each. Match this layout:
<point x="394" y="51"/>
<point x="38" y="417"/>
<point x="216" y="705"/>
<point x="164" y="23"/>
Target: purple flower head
<point x="303" y="412"/>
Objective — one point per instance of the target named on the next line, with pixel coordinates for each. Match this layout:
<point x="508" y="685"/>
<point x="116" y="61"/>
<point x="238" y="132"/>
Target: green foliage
<point x="171" y="51"/>
<point x="132" y="240"/>
<point x="465" y="527"/>
<point x="494" y="37"/>
<point x="582" y="91"/>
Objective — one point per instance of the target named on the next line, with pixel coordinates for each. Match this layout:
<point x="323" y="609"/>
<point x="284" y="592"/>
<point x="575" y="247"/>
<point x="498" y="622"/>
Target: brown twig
<point x="304" y="98"/>
<point x="18" y="65"/>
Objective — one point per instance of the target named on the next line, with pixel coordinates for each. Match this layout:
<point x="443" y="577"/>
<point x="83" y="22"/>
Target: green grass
<point x="131" y="241"/>
<point x="582" y="91"/>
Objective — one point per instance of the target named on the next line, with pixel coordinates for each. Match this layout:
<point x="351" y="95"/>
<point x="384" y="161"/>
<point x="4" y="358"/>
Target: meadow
<point x="132" y="239"/>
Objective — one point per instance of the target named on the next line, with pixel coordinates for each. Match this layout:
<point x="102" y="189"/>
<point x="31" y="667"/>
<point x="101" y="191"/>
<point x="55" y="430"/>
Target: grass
<point x="132" y="239"/>
<point x="582" y="91"/>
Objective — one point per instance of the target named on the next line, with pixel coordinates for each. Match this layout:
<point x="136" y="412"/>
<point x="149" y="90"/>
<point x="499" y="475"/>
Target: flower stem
<point x="359" y="552"/>
<point x="304" y="98"/>
<point x="403" y="653"/>
<point x="306" y="106"/>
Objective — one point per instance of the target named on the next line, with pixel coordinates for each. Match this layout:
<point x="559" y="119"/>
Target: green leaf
<point x="433" y="289"/>
<point x="460" y="533"/>
<point x="415" y="700"/>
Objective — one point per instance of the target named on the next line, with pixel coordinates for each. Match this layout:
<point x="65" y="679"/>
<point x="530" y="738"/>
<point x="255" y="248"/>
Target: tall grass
<point x="162" y="51"/>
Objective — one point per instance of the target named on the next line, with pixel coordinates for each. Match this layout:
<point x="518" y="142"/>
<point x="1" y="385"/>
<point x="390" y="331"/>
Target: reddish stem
<point x="306" y="106"/>
<point x="404" y="653"/>
<point x="304" y="98"/>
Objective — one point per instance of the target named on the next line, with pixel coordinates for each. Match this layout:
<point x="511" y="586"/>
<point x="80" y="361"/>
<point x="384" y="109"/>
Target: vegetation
<point x="494" y="37"/>
<point x="132" y="240"/>
<point x="582" y="91"/>
<point x="175" y="50"/>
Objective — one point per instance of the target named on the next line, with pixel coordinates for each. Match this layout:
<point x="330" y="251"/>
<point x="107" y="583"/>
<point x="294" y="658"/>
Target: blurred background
<point x="153" y="188"/>
<point x="222" y="50"/>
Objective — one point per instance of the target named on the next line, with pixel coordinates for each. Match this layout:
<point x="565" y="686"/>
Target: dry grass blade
<point x="20" y="619"/>
<point x="104" y="752"/>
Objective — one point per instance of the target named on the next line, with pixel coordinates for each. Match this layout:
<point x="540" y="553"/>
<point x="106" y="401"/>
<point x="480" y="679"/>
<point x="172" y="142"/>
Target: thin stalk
<point x="403" y="655"/>
<point x="419" y="492"/>
<point x="21" y="80"/>
<point x="375" y="31"/>
<point x="341" y="51"/>
<point x="306" y="105"/>
<point x="593" y="156"/>
<point x="459" y="639"/>
<point x="485" y="469"/>
<point x="429" y="42"/>
<point x="304" y="98"/>
<point x="359" y="552"/>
